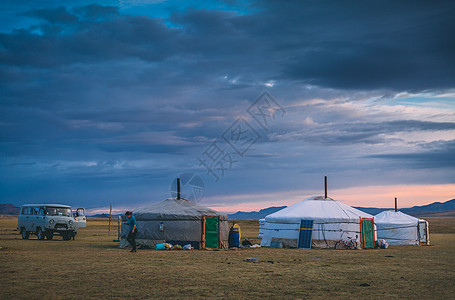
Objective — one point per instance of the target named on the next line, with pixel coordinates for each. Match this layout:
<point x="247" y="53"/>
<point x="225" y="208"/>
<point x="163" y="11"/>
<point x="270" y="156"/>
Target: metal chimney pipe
<point x="396" y="206"/>
<point x="325" y="185"/>
<point x="178" y="188"/>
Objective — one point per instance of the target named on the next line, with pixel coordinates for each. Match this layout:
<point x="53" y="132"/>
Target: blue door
<point x="305" y="234"/>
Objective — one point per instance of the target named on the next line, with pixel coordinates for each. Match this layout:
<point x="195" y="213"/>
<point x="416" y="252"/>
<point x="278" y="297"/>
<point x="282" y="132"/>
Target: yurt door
<point x="367" y="233"/>
<point x="211" y="232"/>
<point x="305" y="234"/>
<point x="422" y="233"/>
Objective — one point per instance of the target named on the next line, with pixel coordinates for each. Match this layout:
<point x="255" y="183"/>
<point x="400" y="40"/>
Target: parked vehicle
<point x="45" y="220"/>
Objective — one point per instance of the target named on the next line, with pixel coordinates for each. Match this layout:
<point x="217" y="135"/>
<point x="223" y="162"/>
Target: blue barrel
<point x="234" y="238"/>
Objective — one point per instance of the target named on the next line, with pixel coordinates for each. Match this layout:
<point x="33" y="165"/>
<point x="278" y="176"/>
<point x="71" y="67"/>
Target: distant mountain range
<point x="255" y="214"/>
<point x="105" y="216"/>
<point x="10" y="209"/>
<point x="433" y="207"/>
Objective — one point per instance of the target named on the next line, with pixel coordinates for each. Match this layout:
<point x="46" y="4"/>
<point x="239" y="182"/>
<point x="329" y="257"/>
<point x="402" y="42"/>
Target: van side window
<point x="41" y="211"/>
<point x="26" y="210"/>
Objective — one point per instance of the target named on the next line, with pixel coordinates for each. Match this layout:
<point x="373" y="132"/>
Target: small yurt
<point x="398" y="228"/>
<point x="179" y="221"/>
<point x="327" y="219"/>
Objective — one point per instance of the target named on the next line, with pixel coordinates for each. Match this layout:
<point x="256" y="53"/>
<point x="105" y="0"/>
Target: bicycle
<point x="349" y="243"/>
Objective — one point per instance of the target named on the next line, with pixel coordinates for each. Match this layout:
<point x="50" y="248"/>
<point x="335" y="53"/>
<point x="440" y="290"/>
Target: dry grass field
<point x="93" y="267"/>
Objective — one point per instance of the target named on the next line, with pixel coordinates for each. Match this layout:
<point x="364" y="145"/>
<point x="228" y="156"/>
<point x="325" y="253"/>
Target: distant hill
<point x="436" y="206"/>
<point x="104" y="216"/>
<point x="433" y="207"/>
<point x="256" y="214"/>
<point x="99" y="216"/>
<point x="434" y="214"/>
<point x="430" y="209"/>
<point x="9" y="209"/>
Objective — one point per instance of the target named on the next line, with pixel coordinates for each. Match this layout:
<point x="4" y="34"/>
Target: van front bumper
<point x="60" y="228"/>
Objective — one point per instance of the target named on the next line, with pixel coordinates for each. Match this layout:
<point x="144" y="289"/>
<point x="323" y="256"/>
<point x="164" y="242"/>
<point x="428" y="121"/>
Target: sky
<point x="251" y="103"/>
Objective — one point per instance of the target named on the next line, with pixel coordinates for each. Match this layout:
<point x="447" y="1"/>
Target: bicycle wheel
<point x="338" y="244"/>
<point x="351" y="245"/>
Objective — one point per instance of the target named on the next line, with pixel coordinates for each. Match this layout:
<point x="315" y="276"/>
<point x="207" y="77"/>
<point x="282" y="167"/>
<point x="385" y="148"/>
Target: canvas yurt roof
<point x="396" y="217"/>
<point x="175" y="209"/>
<point x="317" y="208"/>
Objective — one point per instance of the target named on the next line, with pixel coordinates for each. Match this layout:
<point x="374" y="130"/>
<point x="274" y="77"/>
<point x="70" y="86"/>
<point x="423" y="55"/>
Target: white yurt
<point x="332" y="221"/>
<point x="398" y="228"/>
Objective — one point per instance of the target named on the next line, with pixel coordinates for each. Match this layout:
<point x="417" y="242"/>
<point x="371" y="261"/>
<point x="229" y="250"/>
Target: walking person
<point x="131" y="238"/>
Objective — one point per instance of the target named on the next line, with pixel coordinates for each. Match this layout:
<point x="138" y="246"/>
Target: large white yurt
<point x="398" y="228"/>
<point x="179" y="221"/>
<point x="332" y="221"/>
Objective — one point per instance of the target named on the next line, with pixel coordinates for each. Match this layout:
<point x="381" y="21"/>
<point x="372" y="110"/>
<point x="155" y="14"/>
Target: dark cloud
<point x="440" y="156"/>
<point x="96" y="12"/>
<point x="94" y="97"/>
<point x="58" y="15"/>
<point x="411" y="125"/>
<point x="397" y="45"/>
<point x="133" y="37"/>
<point x="359" y="132"/>
<point x="368" y="45"/>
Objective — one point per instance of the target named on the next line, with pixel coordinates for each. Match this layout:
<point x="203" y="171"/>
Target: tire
<point x="40" y="234"/>
<point x="66" y="237"/>
<point x="49" y="236"/>
<point x="25" y="234"/>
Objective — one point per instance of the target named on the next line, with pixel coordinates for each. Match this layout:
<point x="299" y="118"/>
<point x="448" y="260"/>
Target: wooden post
<point x="178" y="188"/>
<point x="203" y="232"/>
<point x="325" y="186"/>
<point x="396" y="205"/>
<point x="110" y="214"/>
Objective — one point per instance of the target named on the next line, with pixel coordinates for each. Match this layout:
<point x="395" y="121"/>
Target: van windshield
<point x="58" y="211"/>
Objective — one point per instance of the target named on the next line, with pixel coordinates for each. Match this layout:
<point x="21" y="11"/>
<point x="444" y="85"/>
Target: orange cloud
<point x="366" y="196"/>
<point x="408" y="195"/>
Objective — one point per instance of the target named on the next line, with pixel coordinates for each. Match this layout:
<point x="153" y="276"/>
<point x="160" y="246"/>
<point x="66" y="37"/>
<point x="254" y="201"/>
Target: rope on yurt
<point x="336" y="202"/>
<point x="323" y="234"/>
<point x="384" y="238"/>
<point x="389" y="228"/>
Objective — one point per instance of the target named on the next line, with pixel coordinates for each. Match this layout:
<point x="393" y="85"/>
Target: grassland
<point x="93" y="267"/>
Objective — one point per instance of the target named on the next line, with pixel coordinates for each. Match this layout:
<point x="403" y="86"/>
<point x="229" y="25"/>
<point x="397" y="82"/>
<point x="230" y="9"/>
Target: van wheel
<point x="25" y="234"/>
<point x="39" y="234"/>
<point x="50" y="236"/>
<point x="67" y="237"/>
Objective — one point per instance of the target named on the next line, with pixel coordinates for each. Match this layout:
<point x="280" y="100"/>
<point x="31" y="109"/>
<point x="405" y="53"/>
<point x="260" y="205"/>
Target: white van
<point x="45" y="220"/>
